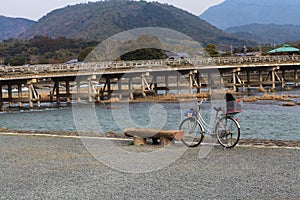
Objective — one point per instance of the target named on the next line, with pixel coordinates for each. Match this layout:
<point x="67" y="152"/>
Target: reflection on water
<point x="262" y="120"/>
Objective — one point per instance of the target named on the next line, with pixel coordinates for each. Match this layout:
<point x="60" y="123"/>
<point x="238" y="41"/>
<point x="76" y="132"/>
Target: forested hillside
<point x="41" y="49"/>
<point x="13" y="27"/>
<point x="242" y="12"/>
<point x="267" y="33"/>
<point x="100" y="20"/>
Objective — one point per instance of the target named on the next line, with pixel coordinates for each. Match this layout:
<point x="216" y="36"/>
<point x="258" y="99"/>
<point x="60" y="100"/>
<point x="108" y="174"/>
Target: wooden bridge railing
<point x="92" y="66"/>
<point x="98" y="66"/>
<point x="238" y="60"/>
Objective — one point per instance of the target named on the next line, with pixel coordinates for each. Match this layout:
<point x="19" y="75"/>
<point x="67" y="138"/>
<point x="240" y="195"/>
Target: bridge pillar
<point x="234" y="81"/>
<point x="68" y="91"/>
<point x="283" y="79"/>
<point x="9" y="90"/>
<point x="221" y="81"/>
<point x="56" y="85"/>
<point x="296" y="78"/>
<point x="260" y="80"/>
<point x="143" y="86"/>
<point x="248" y="80"/>
<point x="130" y="87"/>
<point x="2" y="106"/>
<point x="200" y="84"/>
<point x="197" y="81"/>
<point x="283" y="74"/>
<point x="78" y="91"/>
<point x="273" y="79"/>
<point x="108" y="84"/>
<point x="120" y="88"/>
<point x="167" y="84"/>
<point x="20" y="94"/>
<point x="191" y="82"/>
<point x="210" y="82"/>
<point x="90" y="85"/>
<point x="30" y="95"/>
<point x="155" y="85"/>
<point x="108" y="87"/>
<point x="178" y="84"/>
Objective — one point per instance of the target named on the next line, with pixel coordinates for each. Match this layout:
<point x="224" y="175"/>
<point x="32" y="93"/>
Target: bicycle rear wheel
<point x="228" y="132"/>
<point x="193" y="132"/>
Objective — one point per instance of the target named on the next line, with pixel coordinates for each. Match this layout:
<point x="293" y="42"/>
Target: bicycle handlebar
<point x="201" y="101"/>
<point x="219" y="109"/>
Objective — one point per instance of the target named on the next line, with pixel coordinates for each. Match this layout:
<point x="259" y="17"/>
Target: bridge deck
<point x="121" y="67"/>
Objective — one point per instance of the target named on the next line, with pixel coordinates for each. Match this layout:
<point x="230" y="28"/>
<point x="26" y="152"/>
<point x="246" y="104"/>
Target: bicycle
<point x="226" y="128"/>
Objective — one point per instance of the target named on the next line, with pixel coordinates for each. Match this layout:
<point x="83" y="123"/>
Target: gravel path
<point x="34" y="167"/>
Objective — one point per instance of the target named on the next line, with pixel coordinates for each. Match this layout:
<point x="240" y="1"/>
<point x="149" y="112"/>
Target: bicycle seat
<point x="218" y="109"/>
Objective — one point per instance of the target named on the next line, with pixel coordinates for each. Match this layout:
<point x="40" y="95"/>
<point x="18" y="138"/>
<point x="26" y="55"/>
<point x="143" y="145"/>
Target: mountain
<point x="100" y="20"/>
<point x="266" y="33"/>
<point x="242" y="12"/>
<point x="13" y="27"/>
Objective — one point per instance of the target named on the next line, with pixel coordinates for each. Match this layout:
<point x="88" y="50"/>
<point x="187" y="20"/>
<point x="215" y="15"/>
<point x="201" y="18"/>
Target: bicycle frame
<point x="205" y="126"/>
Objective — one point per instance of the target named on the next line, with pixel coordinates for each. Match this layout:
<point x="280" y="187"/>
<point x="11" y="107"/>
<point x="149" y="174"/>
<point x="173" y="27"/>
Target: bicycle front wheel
<point x="228" y="132"/>
<point x="193" y="132"/>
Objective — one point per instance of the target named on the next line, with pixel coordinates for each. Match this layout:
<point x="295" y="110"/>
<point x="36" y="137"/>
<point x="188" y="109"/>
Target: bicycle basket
<point x="190" y="113"/>
<point x="233" y="107"/>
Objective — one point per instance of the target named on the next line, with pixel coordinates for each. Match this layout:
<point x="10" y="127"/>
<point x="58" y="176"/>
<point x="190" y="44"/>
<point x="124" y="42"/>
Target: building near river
<point x="284" y="50"/>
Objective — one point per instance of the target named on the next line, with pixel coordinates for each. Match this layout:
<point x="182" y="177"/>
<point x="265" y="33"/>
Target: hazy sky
<point x="35" y="9"/>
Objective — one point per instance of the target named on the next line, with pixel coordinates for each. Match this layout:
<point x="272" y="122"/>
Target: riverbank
<point x="60" y="168"/>
<point x="113" y="136"/>
<point x="283" y="99"/>
<point x="273" y="97"/>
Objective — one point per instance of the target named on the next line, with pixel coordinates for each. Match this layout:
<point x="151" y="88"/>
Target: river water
<point x="259" y="120"/>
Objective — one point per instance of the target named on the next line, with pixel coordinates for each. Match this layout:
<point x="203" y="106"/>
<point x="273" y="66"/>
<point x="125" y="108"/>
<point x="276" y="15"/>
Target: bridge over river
<point x="127" y="79"/>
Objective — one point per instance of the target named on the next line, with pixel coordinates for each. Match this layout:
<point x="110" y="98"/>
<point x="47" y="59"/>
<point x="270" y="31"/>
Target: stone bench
<point x="162" y="137"/>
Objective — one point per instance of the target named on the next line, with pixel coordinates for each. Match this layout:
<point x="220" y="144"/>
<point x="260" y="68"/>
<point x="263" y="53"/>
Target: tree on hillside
<point x="18" y="60"/>
<point x="84" y="53"/>
<point x="211" y="50"/>
<point x="146" y="48"/>
<point x="144" y="54"/>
